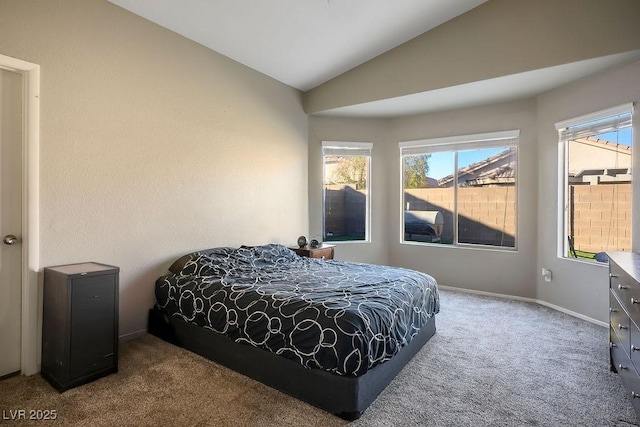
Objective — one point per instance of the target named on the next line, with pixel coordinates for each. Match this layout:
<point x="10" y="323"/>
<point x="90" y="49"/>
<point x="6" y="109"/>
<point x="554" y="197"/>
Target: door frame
<point x="31" y="314"/>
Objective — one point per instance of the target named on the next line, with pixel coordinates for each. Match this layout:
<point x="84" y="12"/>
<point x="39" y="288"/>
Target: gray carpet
<point x="496" y="362"/>
<point x="492" y="362"/>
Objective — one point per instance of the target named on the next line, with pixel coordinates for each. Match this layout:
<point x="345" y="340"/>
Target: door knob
<point x="10" y="239"/>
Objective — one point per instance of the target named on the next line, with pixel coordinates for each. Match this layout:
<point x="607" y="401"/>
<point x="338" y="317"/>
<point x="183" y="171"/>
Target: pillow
<point x="271" y="253"/>
<point x="179" y="264"/>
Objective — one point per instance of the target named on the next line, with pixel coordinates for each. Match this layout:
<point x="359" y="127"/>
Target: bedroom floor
<point x="492" y="362"/>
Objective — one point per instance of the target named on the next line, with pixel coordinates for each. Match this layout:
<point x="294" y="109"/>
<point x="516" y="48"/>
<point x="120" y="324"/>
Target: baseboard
<point x="132" y="335"/>
<point x="536" y="301"/>
<point x="138" y="334"/>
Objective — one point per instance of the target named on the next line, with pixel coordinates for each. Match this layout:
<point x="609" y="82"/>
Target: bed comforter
<point x="342" y="317"/>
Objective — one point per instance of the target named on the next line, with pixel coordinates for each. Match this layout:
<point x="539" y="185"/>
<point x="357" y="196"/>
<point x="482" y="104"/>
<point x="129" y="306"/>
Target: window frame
<point x="455" y="144"/>
<point x="349" y="148"/>
<point x="563" y="175"/>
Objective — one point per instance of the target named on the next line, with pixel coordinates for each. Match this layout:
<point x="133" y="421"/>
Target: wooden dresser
<point x="624" y="321"/>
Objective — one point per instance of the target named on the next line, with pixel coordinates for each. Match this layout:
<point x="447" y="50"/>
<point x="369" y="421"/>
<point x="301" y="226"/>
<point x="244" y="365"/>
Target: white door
<point x="10" y="220"/>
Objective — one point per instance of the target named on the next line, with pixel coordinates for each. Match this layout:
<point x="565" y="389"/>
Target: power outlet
<point x="546" y="274"/>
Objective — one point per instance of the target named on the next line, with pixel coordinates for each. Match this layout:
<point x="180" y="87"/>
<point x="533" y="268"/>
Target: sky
<point x="621" y="137"/>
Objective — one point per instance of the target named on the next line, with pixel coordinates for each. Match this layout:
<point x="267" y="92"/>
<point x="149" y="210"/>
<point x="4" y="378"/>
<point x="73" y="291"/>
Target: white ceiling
<point x="304" y="43"/>
<point x="301" y="43"/>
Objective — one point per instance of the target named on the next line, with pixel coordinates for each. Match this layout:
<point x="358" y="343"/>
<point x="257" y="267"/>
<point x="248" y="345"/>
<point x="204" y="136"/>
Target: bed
<point x="329" y="332"/>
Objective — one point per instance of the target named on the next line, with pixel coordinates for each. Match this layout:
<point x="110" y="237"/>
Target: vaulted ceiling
<point x="331" y="48"/>
<point x="301" y="43"/>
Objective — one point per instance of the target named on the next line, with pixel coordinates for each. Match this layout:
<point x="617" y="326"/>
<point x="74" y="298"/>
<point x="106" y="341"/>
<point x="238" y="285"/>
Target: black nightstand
<point x="323" y="251"/>
<point x="79" y="323"/>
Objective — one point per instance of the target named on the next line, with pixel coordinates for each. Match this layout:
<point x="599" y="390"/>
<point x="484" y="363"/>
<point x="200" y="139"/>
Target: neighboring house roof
<point x="500" y="169"/>
<point x="495" y="170"/>
<point x="603" y="143"/>
<point x="501" y="175"/>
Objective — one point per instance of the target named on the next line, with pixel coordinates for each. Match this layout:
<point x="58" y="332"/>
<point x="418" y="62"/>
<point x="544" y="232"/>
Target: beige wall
<point x="354" y="130"/>
<point x="498" y="38"/>
<point x="152" y="146"/>
<point x="465" y="268"/>
<point x="499" y="271"/>
<point x="576" y="285"/>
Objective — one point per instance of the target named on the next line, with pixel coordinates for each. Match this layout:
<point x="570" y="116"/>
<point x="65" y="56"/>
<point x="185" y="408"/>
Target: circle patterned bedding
<point x="338" y="316"/>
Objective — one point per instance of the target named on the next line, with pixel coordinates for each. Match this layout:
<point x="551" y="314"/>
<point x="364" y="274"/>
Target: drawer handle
<point x="635" y="301"/>
<point x="612" y="275"/>
<point x="635" y="395"/>
<point x="634" y="348"/>
<point x="621" y="366"/>
<point x="622" y="326"/>
<point x="613" y="310"/>
<point x="622" y="287"/>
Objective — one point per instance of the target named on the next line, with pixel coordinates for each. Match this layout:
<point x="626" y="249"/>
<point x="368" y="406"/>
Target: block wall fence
<point x="601" y="213"/>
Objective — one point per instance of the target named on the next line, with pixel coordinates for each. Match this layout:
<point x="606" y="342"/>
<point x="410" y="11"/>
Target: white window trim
<point x="348" y="145"/>
<point x="455" y="144"/>
<point x="613" y="111"/>
<point x="563" y="178"/>
<point x="354" y="149"/>
<point x="466" y="142"/>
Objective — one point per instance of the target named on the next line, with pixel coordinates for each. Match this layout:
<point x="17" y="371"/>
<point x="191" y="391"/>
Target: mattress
<point x="337" y="316"/>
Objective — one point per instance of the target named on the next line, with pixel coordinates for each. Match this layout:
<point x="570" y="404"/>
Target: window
<point x="460" y="190"/>
<point x="596" y="184"/>
<point x="347" y="187"/>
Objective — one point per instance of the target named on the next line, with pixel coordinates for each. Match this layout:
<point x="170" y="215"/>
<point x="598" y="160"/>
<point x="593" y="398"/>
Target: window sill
<point x="579" y="261"/>
<point x="463" y="247"/>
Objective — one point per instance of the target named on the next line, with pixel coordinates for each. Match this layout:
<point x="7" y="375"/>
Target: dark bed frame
<point x="344" y="396"/>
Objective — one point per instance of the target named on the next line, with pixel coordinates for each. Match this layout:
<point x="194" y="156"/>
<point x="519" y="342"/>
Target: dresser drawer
<point x="634" y="345"/>
<point x="628" y="293"/>
<point x="617" y="275"/>
<point x="624" y="318"/>
<point x="619" y="321"/>
<point x="627" y="372"/>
